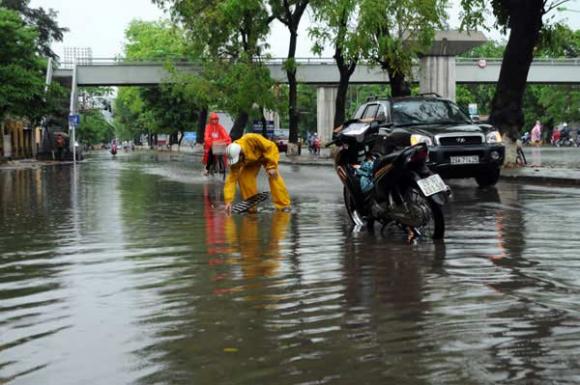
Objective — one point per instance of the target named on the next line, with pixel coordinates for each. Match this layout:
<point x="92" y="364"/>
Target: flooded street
<point x="126" y="271"/>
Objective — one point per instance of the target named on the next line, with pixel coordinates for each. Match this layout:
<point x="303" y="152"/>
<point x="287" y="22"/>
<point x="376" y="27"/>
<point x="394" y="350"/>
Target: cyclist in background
<point x="214" y="132"/>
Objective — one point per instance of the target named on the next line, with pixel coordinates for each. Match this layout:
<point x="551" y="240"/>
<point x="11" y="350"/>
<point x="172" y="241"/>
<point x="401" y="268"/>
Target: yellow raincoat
<point x="258" y="151"/>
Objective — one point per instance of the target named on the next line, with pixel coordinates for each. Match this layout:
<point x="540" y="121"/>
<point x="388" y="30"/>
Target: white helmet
<point x="233" y="152"/>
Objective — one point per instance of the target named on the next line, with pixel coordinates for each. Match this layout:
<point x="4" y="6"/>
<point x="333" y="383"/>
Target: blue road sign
<point x="74" y="119"/>
<point x="189" y="136"/>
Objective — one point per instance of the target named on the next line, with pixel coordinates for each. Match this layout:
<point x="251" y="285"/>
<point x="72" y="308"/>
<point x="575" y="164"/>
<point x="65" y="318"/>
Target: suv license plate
<point x="469" y="159"/>
<point x="432" y="185"/>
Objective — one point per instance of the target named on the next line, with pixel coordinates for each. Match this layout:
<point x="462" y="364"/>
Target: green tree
<point x="525" y="21"/>
<point x="481" y="94"/>
<point x="41" y="20"/>
<point x="558" y="41"/>
<point x="154" y="40"/>
<point x="129" y="114"/>
<point x="306" y="105"/>
<point x="396" y="32"/>
<point x="549" y="104"/>
<point x="289" y="13"/>
<point x="167" y="113"/>
<point x="94" y="128"/>
<point x="21" y="69"/>
<point x="490" y="49"/>
<point x="229" y="38"/>
<point x="153" y="110"/>
<point x="337" y="25"/>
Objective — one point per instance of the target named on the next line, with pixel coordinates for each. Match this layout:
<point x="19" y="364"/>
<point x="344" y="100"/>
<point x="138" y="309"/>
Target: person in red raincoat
<point x="214" y="132"/>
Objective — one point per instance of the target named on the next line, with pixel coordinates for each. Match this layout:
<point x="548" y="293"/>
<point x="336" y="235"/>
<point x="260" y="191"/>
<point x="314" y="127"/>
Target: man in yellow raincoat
<point x="245" y="156"/>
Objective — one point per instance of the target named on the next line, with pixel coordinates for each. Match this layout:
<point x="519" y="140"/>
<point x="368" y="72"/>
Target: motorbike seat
<point x="386" y="159"/>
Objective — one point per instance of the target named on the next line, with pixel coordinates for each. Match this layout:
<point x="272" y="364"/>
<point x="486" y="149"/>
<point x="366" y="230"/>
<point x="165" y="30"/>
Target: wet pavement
<point x="126" y="271"/>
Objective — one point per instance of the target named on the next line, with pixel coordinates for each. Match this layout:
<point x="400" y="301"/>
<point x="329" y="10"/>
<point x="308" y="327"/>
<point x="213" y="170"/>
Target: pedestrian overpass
<point x="438" y="71"/>
<point x="316" y="71"/>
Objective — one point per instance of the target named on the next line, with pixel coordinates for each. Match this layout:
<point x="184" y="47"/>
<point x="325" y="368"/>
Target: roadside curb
<point x="537" y="176"/>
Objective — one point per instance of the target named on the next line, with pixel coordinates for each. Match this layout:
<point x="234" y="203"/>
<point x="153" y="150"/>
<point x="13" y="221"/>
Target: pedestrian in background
<point x="537" y="133"/>
<point x="214" y="133"/>
<point x="536" y="141"/>
<point x="60" y="143"/>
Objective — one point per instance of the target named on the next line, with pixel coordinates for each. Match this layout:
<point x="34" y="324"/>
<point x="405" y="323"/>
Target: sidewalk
<point x="544" y="174"/>
<point x="21" y="164"/>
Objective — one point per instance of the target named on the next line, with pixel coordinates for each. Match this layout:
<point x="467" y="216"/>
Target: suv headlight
<point x="493" y="137"/>
<point x="416" y="138"/>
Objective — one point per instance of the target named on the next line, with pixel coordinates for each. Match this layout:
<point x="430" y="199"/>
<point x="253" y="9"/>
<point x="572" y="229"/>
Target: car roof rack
<point x="371" y="98"/>
<point x="430" y="94"/>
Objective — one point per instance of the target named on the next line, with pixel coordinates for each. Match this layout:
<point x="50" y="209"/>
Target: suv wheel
<point x="488" y="178"/>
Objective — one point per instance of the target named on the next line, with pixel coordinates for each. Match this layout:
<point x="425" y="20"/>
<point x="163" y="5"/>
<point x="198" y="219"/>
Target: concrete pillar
<point x="438" y="75"/>
<point x="325" y="110"/>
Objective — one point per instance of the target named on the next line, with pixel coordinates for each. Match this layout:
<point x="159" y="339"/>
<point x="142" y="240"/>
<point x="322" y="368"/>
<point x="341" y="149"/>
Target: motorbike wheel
<point x="434" y="227"/>
<point x="355" y="217"/>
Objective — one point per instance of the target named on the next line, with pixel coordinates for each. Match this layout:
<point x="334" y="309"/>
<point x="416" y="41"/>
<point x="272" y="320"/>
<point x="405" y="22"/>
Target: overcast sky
<point x="101" y="24"/>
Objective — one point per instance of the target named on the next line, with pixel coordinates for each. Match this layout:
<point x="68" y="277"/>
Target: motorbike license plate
<point x="432" y="185"/>
<point x="468" y="159"/>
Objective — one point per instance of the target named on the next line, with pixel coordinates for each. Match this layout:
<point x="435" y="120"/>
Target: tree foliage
<point x="289" y="13"/>
<point x="21" y="69"/>
<point x="94" y="128"/>
<point x="153" y="110"/>
<point x="227" y="38"/>
<point x="396" y="32"/>
<point x="154" y="40"/>
<point x="550" y="104"/>
<point x="525" y="20"/>
<point x="41" y="20"/>
<point x="337" y="25"/>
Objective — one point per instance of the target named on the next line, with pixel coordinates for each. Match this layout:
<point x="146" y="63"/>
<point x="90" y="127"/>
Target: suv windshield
<point x="430" y="111"/>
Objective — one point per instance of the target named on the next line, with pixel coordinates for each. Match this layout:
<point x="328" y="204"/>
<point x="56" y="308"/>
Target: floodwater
<point x="126" y="271"/>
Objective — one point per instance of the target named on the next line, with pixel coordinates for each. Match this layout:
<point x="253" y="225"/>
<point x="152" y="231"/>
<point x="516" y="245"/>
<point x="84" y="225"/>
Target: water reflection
<point x="32" y="302"/>
<point x="131" y="273"/>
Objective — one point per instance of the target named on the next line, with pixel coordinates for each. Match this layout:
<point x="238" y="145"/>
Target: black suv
<point x="458" y="147"/>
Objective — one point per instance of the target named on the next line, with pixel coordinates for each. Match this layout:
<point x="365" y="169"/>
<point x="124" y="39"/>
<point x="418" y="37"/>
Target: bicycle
<point x="218" y="164"/>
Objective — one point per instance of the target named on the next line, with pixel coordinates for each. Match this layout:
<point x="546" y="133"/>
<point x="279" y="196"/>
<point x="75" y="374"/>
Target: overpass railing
<point x="280" y="61"/>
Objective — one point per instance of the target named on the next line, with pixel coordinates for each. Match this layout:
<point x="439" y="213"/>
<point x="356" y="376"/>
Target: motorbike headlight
<point x="416" y="138"/>
<point x="493" y="137"/>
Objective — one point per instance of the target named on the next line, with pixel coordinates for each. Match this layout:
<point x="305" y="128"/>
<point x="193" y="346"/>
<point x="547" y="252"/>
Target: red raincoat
<point x="214" y="132"/>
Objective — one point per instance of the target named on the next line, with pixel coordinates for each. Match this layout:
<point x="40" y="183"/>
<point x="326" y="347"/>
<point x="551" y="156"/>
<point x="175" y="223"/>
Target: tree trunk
<point x="340" y="104"/>
<point x="292" y="89"/>
<point x="525" y="22"/>
<point x="239" y="125"/>
<point x="345" y="70"/>
<point x="201" y="119"/>
<point x="264" y="123"/>
<point x="398" y="83"/>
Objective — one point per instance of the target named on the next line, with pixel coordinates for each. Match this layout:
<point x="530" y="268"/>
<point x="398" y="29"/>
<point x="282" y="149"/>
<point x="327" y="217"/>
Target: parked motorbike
<point x="566" y="142"/>
<point x="526" y="138"/>
<point x="399" y="188"/>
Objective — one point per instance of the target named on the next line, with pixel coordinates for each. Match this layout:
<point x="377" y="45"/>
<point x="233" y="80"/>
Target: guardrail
<point x="537" y="61"/>
<point x="174" y="60"/>
<point x="280" y="61"/>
